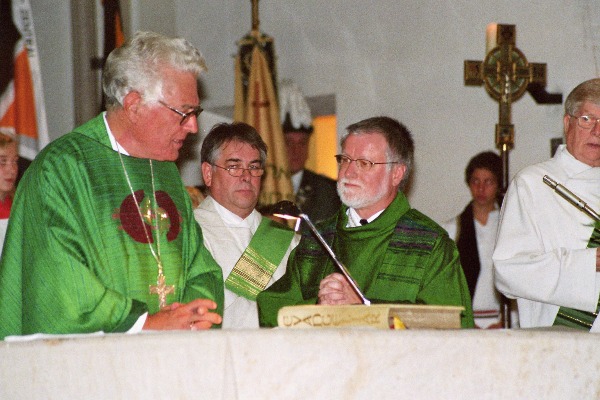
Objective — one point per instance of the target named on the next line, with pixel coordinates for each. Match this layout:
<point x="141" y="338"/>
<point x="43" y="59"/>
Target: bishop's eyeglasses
<point x="237" y="170"/>
<point x="586" y="122"/>
<point x="184" y="116"/>
<point x="361" y="163"/>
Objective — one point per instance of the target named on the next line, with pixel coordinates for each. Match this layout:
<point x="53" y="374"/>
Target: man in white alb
<point x="252" y="250"/>
<point x="547" y="254"/>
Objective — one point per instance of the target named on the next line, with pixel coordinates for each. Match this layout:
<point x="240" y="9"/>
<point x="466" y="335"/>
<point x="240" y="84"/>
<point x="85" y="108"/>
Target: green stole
<point x="258" y="263"/>
<point x="576" y="318"/>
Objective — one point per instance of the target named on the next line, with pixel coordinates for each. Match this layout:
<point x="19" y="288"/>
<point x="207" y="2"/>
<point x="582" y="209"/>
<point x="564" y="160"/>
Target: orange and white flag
<point x="261" y="110"/>
<point x="113" y="26"/>
<point x="22" y="110"/>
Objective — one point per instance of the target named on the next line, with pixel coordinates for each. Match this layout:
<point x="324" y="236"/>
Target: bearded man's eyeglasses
<point x="184" y="116"/>
<point x="361" y="163"/>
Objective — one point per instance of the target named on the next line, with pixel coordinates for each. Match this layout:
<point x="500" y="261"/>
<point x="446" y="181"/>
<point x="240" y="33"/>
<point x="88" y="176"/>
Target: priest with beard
<point x="395" y="253"/>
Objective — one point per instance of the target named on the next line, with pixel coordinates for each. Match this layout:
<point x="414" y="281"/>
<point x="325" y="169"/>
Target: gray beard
<point x="360" y="199"/>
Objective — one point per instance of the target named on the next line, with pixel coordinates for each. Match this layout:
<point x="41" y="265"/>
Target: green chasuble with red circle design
<point x="76" y="258"/>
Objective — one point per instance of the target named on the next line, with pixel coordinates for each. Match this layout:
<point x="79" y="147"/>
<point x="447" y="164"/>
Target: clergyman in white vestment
<point x="546" y="255"/>
<point x="233" y="157"/>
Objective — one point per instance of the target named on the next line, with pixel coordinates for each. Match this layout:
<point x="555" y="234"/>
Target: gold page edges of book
<point x="378" y="316"/>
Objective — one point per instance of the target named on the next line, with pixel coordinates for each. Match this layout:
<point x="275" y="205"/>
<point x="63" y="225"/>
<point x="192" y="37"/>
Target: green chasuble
<point x="76" y="258"/>
<point x="400" y="257"/>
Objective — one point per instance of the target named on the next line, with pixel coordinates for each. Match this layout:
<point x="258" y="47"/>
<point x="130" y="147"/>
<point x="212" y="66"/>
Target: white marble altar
<point x="305" y="364"/>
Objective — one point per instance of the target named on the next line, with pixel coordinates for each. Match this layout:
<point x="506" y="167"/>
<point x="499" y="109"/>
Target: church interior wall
<point x="385" y="57"/>
<point x="51" y="20"/>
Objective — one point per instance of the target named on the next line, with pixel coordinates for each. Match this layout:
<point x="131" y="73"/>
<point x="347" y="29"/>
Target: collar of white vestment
<point x="574" y="166"/>
<point x="231" y="219"/>
<point x="113" y="142"/>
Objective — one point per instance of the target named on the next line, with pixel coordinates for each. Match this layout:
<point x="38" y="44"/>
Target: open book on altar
<point x="380" y="316"/>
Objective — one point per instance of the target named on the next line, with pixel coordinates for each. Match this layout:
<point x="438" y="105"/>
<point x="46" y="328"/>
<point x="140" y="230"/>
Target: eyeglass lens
<point x="360" y="163"/>
<point x="236" y="171"/>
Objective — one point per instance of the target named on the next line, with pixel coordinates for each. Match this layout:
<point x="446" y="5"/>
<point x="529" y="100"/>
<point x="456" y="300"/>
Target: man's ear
<point x="131" y="104"/>
<point x="398" y="173"/>
<point x="207" y="171"/>
<point x="566" y="121"/>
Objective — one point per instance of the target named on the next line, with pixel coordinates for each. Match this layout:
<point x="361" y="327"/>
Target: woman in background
<point x="9" y="158"/>
<point x="474" y="231"/>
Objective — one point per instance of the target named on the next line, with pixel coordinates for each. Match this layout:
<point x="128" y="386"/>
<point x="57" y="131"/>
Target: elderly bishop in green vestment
<point x="102" y="230"/>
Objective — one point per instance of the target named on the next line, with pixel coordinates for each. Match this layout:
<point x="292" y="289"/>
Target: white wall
<point x="405" y="59"/>
<point x="52" y="24"/>
<point x="393" y="57"/>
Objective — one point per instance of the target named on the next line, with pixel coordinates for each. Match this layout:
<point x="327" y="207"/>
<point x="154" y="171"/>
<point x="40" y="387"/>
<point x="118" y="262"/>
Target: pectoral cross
<point x="161" y="289"/>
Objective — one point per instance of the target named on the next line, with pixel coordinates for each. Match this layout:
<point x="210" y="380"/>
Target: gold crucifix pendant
<point x="161" y="290"/>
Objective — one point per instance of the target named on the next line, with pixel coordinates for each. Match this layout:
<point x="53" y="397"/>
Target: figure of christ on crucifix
<point x="162" y="290"/>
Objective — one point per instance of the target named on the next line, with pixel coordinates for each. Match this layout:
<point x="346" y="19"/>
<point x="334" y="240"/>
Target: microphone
<point x="288" y="210"/>
<point x="571" y="197"/>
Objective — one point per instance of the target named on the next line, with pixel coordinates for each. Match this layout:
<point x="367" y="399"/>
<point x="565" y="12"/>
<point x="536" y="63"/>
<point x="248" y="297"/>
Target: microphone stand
<point x="287" y="210"/>
<point x="571" y="197"/>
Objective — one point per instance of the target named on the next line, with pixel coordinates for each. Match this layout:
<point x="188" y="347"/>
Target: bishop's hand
<point x="195" y="315"/>
<point x="335" y="289"/>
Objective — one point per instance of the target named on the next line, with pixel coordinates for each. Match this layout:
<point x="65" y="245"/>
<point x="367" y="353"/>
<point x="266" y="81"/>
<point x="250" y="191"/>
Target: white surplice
<point x="226" y="236"/>
<point x="540" y="256"/>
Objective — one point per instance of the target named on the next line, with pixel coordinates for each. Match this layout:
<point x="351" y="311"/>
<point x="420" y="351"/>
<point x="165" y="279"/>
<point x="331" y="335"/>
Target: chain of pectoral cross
<point x="152" y="214"/>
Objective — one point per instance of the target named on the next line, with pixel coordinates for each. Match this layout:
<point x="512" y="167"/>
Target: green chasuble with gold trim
<point x="400" y="257"/>
<point x="76" y="258"/>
